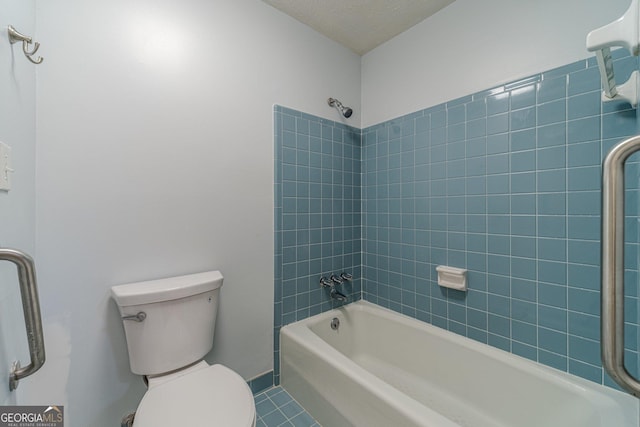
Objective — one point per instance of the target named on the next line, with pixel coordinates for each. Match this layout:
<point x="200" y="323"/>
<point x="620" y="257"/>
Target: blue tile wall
<point x="317" y="215"/>
<point x="261" y="383"/>
<point x="505" y="183"/>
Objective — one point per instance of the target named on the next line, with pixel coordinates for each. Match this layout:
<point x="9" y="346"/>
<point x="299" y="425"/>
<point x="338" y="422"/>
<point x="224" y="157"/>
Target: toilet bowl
<point x="169" y="326"/>
<point x="208" y="396"/>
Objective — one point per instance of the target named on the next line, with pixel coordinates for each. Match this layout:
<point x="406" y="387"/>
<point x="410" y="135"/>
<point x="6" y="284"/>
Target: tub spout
<point x="337" y="295"/>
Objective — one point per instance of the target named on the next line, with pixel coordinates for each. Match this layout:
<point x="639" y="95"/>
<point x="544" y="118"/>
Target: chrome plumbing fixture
<point x="335" y="279"/>
<point x="346" y="276"/>
<point x="335" y="323"/>
<point x="346" y="111"/>
<point x="139" y="317"/>
<point x="336" y="294"/>
<point x="324" y="282"/>
<point x="333" y="292"/>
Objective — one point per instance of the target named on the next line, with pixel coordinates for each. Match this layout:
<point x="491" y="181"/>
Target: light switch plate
<point x="5" y="167"/>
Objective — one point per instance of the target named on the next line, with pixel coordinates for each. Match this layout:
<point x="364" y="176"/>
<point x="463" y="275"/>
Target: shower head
<point x="346" y="111"/>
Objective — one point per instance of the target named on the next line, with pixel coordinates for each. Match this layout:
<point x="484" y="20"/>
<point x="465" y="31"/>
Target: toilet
<point x="169" y="326"/>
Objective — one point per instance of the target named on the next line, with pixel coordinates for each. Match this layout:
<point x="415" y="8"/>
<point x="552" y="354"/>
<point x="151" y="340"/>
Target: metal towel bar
<point x="612" y="316"/>
<point x="32" y="318"/>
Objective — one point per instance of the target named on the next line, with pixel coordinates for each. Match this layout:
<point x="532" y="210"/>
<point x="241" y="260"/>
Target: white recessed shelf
<point x="452" y="277"/>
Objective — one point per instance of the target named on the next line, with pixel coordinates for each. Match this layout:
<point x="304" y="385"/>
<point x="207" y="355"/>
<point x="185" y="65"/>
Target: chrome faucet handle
<point x="346" y="276"/>
<point x="324" y="282"/>
<point x="335" y="279"/>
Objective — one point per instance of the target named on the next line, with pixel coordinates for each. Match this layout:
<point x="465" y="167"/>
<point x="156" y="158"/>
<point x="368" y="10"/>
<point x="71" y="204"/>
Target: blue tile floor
<point x="275" y="408"/>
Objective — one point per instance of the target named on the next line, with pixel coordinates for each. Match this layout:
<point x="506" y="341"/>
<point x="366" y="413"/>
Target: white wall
<point x="155" y="158"/>
<point x="474" y="45"/>
<point x="17" y="207"/>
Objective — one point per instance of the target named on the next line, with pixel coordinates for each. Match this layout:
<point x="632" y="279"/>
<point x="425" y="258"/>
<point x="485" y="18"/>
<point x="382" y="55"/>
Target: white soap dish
<point x="452" y="277"/>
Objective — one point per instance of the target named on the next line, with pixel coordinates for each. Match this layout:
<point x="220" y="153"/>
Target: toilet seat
<point x="209" y="397"/>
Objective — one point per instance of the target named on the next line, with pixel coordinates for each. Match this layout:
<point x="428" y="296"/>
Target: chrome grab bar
<point x="612" y="298"/>
<point x="31" y="309"/>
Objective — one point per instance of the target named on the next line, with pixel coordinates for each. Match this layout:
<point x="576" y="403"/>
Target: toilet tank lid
<point x="168" y="289"/>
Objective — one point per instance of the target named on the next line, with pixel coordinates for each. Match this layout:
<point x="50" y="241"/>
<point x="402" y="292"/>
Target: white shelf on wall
<point x="623" y="32"/>
<point x="452" y="277"/>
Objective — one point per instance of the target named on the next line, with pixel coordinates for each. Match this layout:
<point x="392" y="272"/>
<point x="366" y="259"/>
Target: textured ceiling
<point x="360" y="25"/>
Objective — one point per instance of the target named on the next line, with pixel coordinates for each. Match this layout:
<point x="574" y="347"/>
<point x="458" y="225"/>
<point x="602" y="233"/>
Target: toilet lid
<point x="214" y="396"/>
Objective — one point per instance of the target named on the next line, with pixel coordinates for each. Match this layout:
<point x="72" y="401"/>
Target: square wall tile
<point x="504" y="182"/>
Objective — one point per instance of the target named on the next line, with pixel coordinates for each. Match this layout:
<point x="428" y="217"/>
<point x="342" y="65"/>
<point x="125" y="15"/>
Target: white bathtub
<point x="381" y="368"/>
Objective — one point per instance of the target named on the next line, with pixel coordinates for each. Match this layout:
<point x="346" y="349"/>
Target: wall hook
<point x="15" y="36"/>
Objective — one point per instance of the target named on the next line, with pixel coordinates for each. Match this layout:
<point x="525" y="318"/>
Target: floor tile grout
<point x="275" y="416"/>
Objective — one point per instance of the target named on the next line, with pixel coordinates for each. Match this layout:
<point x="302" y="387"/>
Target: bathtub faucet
<point x="346" y="276"/>
<point x="337" y="280"/>
<point x="324" y="282"/>
<point x="336" y="294"/>
<point x="331" y="284"/>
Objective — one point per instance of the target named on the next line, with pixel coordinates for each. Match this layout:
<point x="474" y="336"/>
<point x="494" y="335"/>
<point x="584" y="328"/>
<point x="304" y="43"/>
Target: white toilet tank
<point x="178" y="323"/>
